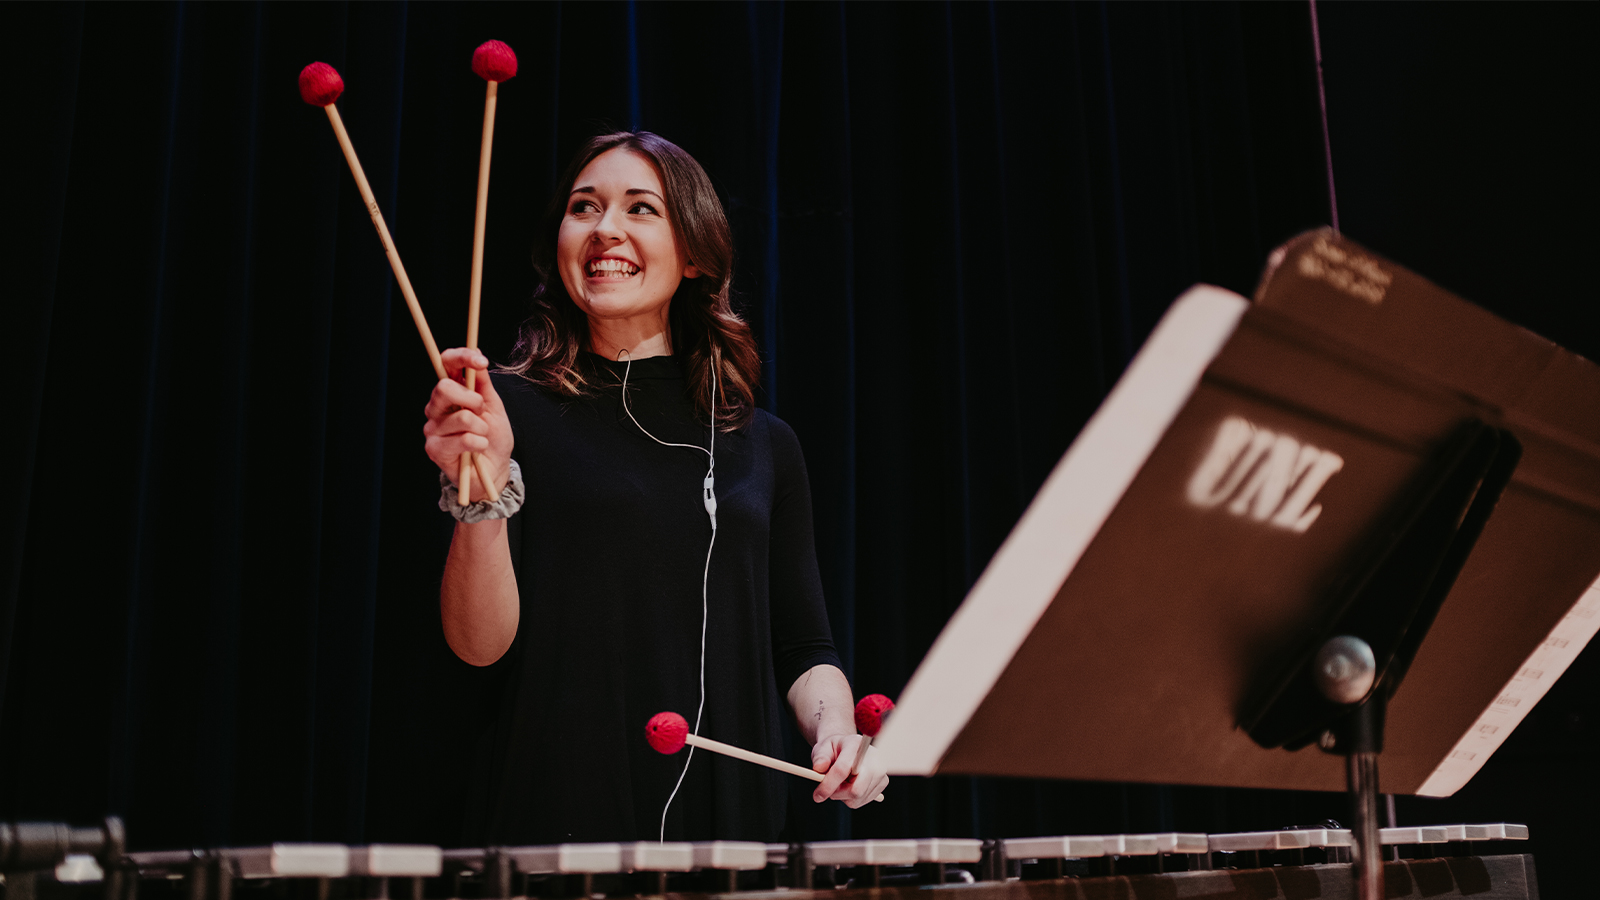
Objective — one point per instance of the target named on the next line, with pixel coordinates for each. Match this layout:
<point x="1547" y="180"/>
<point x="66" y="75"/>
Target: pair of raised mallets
<point x="320" y="85"/>
<point x="668" y="732"/>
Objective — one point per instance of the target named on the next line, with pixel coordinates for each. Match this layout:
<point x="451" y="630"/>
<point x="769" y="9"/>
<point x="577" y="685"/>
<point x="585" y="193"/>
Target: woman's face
<point x="617" y="254"/>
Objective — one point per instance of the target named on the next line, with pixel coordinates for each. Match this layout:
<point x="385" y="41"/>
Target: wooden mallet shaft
<point x="695" y="740"/>
<point x="389" y="249"/>
<point x="384" y="238"/>
<point x="476" y="291"/>
<point x="861" y="753"/>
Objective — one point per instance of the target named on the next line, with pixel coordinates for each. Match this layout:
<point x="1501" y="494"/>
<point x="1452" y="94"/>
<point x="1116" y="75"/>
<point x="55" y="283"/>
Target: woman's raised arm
<point x="478" y="597"/>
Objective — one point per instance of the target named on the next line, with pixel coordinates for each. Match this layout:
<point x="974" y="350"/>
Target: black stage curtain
<point x="955" y="224"/>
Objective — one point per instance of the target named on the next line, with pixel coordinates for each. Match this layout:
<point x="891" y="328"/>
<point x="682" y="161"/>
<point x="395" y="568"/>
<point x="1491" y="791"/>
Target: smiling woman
<point x="678" y="203"/>
<point x="617" y="251"/>
<point x="599" y="587"/>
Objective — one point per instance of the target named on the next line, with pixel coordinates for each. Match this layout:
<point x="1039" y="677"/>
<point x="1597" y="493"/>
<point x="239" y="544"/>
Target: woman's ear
<point x="690" y="270"/>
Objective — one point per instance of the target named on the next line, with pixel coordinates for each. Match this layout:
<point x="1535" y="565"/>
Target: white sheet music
<point x="1533" y="679"/>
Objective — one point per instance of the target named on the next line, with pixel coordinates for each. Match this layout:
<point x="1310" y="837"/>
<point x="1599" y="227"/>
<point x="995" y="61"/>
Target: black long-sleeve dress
<point x="610" y="550"/>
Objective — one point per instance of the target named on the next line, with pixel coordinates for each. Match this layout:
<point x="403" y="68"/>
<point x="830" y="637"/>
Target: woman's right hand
<point x="462" y="420"/>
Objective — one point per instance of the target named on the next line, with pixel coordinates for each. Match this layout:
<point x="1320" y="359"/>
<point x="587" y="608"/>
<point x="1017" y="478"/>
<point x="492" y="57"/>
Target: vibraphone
<point x="1438" y="862"/>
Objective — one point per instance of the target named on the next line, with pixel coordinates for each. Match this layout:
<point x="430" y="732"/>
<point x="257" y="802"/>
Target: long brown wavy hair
<point x="707" y="335"/>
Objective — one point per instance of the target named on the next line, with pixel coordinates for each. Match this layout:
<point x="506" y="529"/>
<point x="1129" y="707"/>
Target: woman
<point x="663" y="559"/>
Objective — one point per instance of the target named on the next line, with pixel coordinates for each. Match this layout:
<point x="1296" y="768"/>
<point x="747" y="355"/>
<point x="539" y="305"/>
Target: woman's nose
<point x="608" y="228"/>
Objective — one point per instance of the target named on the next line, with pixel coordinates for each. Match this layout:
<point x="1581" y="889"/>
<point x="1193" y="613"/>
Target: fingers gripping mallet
<point x="320" y="85"/>
<point x="870" y="714"/>
<point x="494" y="62"/>
<point x="667" y="732"/>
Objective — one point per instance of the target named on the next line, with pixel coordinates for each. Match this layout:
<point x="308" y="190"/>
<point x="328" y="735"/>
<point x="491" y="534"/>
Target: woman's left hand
<point x="833" y="755"/>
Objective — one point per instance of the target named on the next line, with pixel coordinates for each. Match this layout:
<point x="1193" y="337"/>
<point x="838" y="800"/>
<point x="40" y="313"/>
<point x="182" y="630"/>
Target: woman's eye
<point x="582" y="206"/>
<point x="642" y="209"/>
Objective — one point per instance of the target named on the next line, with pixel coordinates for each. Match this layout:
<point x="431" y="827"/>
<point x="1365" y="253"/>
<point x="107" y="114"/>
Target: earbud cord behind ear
<point x="710" y="499"/>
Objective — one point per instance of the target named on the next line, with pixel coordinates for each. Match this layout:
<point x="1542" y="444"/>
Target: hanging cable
<point x="1322" y="98"/>
<point x="710" y="500"/>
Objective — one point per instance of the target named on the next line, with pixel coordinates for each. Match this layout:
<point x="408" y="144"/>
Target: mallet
<point x="667" y="732"/>
<point x="494" y="62"/>
<point x="320" y="85"/>
<point x="869" y="719"/>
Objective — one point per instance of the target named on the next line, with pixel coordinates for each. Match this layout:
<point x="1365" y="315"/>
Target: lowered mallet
<point x="320" y="85"/>
<point x="667" y="732"/>
<point x="869" y="719"/>
<point x="494" y="62"/>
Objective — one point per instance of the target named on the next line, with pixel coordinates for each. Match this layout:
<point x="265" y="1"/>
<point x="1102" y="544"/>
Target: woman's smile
<point x="610" y="268"/>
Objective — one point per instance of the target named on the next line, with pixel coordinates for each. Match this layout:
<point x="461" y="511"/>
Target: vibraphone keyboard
<point x="1432" y="862"/>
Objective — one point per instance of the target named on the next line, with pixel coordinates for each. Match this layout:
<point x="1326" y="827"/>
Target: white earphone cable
<point x="705" y="580"/>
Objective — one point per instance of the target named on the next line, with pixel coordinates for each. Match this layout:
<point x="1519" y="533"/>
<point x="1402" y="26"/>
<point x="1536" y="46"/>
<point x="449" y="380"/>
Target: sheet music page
<point x="1511" y="705"/>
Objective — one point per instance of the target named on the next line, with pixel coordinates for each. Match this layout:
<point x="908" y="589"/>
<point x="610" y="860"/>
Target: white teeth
<point x="621" y="266"/>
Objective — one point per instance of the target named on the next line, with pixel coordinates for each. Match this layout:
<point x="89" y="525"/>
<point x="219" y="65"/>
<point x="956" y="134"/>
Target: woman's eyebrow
<point x="589" y="189"/>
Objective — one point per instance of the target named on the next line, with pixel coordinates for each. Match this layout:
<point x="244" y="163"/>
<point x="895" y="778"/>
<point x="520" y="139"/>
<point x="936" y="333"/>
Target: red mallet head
<point x="666" y="732"/>
<point x="494" y="61"/>
<point x="870" y="712"/>
<point x="320" y="84"/>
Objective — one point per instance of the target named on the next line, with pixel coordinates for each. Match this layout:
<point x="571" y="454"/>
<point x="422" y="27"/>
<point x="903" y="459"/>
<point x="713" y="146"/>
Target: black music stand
<point x="1358" y="453"/>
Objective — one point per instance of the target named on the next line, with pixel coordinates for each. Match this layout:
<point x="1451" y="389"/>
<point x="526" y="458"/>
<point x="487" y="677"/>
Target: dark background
<point x="955" y="223"/>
